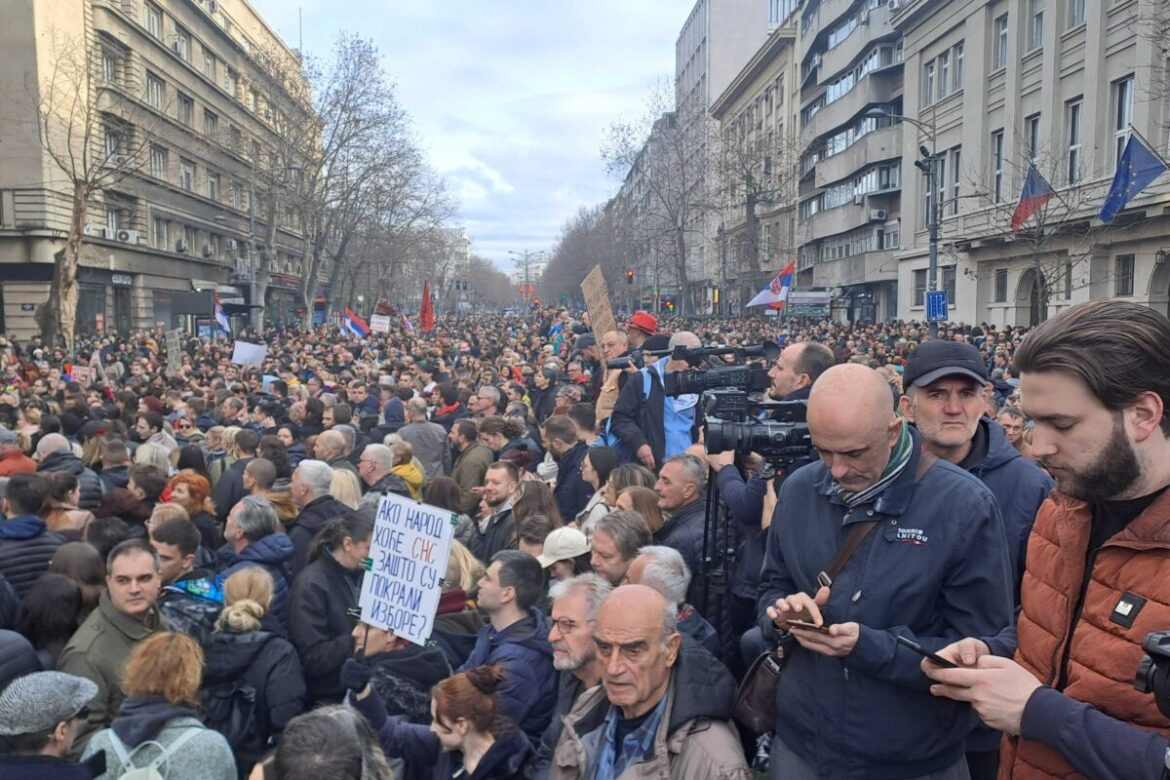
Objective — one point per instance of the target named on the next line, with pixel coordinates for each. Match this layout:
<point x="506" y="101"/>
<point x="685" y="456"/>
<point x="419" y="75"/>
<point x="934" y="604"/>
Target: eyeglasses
<point x="567" y="626"/>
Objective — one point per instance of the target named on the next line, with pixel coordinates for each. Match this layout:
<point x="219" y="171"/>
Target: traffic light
<point x="629" y="276"/>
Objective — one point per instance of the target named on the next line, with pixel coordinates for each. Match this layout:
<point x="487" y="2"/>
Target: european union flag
<point x="1136" y="169"/>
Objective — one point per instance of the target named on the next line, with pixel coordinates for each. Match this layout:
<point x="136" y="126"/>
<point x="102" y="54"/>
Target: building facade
<point x="178" y="115"/>
<point x="1054" y="84"/>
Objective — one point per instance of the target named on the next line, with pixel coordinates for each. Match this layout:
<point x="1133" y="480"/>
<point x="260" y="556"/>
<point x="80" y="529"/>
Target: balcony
<point x="881" y="266"/>
<point x="843" y="55"/>
<point x="882" y="144"/>
<point x="827" y="15"/>
<point x="841" y="219"/>
<point x="879" y="86"/>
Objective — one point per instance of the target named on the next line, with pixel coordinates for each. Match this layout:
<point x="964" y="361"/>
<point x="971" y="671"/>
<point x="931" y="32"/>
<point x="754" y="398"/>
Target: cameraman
<point x="792" y="375"/>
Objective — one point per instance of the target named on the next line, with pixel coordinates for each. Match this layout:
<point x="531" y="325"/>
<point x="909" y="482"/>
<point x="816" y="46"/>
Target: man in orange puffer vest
<point x="1095" y="381"/>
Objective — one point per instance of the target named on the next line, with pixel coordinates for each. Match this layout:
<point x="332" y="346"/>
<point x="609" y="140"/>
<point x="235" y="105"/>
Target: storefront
<point x="105" y="303"/>
<point x="282" y="300"/>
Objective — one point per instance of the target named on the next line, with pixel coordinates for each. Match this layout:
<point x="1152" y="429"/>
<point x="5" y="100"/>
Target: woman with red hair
<point x="191" y="490"/>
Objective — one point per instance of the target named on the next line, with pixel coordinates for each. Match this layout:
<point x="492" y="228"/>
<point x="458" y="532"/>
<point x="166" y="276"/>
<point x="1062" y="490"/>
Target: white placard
<point x="174" y="350"/>
<point x="246" y="354"/>
<point x="408" y="559"/>
<point x="379" y="323"/>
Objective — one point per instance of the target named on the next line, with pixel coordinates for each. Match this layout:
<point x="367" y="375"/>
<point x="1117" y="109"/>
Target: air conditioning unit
<point x="894" y="5"/>
<point x="180" y="245"/>
<point x="93" y="230"/>
<point x="877" y="215"/>
<point x="212" y="7"/>
<point x="816" y="60"/>
<point x="863" y="18"/>
<point x="120" y="160"/>
<point x="128" y="236"/>
<point x="208" y="251"/>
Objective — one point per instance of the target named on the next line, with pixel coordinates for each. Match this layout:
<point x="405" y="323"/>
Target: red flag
<point x="426" y="315"/>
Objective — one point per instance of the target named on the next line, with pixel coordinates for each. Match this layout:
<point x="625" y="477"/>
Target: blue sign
<point x="936" y="306"/>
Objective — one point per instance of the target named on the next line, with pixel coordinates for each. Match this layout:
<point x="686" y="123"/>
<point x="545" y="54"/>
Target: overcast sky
<point x="510" y="98"/>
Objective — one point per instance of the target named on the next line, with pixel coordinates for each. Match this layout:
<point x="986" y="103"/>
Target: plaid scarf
<point x="899" y="458"/>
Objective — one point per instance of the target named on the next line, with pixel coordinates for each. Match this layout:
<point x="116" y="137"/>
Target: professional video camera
<point x="781" y="440"/>
<point x="1153" y="674"/>
<point x="739" y="375"/>
<point x="636" y="358"/>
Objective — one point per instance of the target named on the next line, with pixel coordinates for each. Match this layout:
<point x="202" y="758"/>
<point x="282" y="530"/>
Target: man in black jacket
<point x="498" y="530"/>
<point x="26" y="544"/>
<point x="572" y="492"/>
<point x="681" y="497"/>
<point x="230" y="487"/>
<point x="310" y="491"/>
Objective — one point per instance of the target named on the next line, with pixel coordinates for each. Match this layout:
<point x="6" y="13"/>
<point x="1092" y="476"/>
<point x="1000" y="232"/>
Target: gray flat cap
<point x="39" y="701"/>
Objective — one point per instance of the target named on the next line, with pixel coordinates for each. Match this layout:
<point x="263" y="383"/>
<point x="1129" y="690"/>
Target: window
<point x="158" y="162"/>
<point x="1072" y="131"/>
<point x="189" y="238"/>
<point x="1067" y="281"/>
<point x="957" y="68"/>
<point x="928" y="83"/>
<point x="210" y="124"/>
<point x="892" y="236"/>
<point x="154" y="24"/>
<point x="159" y="230"/>
<point x="109" y="67"/>
<point x="187" y="174"/>
<point x="155" y="90"/>
<point x="1076" y="13"/>
<point x="214" y="242"/>
<point x="235" y="138"/>
<point x="1032" y="136"/>
<point x="186" y="109"/>
<point x="948" y="282"/>
<point x="1123" y="276"/>
<point x="209" y="64"/>
<point x="113" y="142"/>
<point x="1001" y="285"/>
<point x="213" y="186"/>
<point x="183" y="43"/>
<point x="1122" y="114"/>
<point x="944" y="74"/>
<point x="997" y="166"/>
<point x="1000" y="42"/>
<point x="919" y="287"/>
<point x="1035" y="24"/>
<point x="113" y="221"/>
<point x="956" y="181"/>
<point x="231" y="82"/>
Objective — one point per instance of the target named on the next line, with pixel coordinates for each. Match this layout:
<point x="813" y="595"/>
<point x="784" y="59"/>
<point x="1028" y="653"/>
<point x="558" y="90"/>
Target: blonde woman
<point x="154" y="455"/>
<point x="346" y="488"/>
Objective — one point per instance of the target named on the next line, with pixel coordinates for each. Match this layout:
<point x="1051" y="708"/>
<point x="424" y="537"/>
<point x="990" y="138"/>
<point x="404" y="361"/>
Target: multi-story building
<point x="998" y="86"/>
<point x="756" y="165"/>
<point x="850" y="169"/>
<point x="174" y="104"/>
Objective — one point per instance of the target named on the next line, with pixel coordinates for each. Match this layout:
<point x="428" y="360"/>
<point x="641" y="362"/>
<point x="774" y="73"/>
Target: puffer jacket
<point x="88" y="483"/>
<point x="26" y="547"/>
<point x="694" y="740"/>
<point x="271" y="552"/>
<point x="684" y="532"/>
<point x="17" y="657"/>
<point x="528" y="691"/>
<point x="1096" y="652"/>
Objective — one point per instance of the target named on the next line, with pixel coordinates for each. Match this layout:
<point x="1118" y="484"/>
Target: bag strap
<point x="171" y="749"/>
<point x="120" y="750"/>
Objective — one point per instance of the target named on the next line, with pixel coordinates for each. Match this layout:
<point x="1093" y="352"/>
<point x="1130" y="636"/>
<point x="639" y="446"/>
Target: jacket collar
<point x="892" y="501"/>
<point x="128" y="626"/>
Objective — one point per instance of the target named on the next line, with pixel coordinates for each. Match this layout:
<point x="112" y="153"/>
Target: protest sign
<point x="174" y="350"/>
<point x="380" y="323"/>
<point x="246" y="354"/>
<point x="81" y="374"/>
<point x="408" y="559"/>
<point x="597" y="302"/>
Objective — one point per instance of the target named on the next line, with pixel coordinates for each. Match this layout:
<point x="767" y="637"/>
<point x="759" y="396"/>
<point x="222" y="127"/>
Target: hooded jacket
<point x="26" y="547"/>
<point x="88" y="483"/>
<point x="404" y="678"/>
<point x="694" y="740"/>
<point x="413" y="477"/>
<point x="273" y="552"/>
<point x="319" y="624"/>
<point x="572" y="492"/>
<point x="268" y="664"/>
<point x="114" y="477"/>
<point x="528" y="691"/>
<point x="312" y="519"/>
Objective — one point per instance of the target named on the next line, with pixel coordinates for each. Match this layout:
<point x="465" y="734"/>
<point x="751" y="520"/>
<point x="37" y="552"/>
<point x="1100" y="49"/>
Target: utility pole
<point x="252" y="311"/>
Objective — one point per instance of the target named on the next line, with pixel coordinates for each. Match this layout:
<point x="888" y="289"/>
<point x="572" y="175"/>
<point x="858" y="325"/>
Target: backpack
<point x="610" y="439"/>
<point x="151" y="771"/>
<point x="229" y="707"/>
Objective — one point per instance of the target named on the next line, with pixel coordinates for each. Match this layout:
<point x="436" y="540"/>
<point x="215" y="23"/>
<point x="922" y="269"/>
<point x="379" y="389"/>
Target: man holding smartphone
<point x="930" y="559"/>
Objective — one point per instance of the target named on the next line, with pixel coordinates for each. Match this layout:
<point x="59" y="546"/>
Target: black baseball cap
<point x="936" y="359"/>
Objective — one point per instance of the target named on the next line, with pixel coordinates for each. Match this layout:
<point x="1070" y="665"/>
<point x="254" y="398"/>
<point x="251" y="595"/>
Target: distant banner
<point x="380" y="323"/>
<point x="174" y="351"/>
<point x="408" y="559"/>
<point x="246" y="354"/>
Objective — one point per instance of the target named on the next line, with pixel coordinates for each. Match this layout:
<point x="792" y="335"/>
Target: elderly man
<point x="485" y="402"/>
<point x="39" y="717"/>
<point x="12" y="457"/>
<point x="55" y="454"/>
<point x="575" y="602"/>
<point x="681" y="498"/>
<point x="310" y="491"/>
<point x="663" y="569"/>
<point x="653" y="425"/>
<point x="126" y="614"/>
<point x="617" y="537"/>
<point x="254" y="539"/>
<point x="662" y="709"/>
<point x="330" y="448"/>
<point x="428" y="439"/>
<point x="609" y="381"/>
<point x="930" y="562"/>
<point x="376" y="468"/>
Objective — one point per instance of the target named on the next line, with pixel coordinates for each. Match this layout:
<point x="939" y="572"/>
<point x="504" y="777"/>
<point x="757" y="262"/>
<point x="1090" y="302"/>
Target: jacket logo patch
<point x="912" y="536"/>
<point x="1127" y="609"/>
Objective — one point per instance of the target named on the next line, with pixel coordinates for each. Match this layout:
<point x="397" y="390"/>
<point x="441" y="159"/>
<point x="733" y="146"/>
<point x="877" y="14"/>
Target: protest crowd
<point x="952" y="575"/>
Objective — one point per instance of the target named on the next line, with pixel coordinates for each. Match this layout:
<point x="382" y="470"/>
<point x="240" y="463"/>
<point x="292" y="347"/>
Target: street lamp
<point x="928" y="164"/>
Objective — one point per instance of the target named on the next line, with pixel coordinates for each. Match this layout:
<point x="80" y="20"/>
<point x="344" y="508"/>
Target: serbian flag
<point x="1035" y="194"/>
<point x="777" y="291"/>
<point x="426" y="315"/>
<point x="354" y="324"/>
<point x="1137" y="167"/>
<point x="406" y="324"/>
<point x="221" y="318"/>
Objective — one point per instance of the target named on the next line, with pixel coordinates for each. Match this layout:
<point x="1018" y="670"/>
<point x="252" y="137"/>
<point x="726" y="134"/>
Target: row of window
<point x="942" y="75"/>
<point x="874" y="179"/>
<point x="1074" y="16"/>
<point x="946" y="279"/>
<point x="859" y="241"/>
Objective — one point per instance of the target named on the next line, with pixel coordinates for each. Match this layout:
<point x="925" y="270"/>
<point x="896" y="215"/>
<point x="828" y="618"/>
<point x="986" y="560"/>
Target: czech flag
<point x="777" y="291"/>
<point x="1137" y="167"/>
<point x="1035" y="194"/>
<point x="354" y="324"/>
<point x="221" y="317"/>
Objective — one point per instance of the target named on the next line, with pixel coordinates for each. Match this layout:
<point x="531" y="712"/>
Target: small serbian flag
<point x="777" y="291"/>
<point x="1035" y="194"/>
<point x="406" y="324"/>
<point x="221" y="318"/>
<point x="354" y="324"/>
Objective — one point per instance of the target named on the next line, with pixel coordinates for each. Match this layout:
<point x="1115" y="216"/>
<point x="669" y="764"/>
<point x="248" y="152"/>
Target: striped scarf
<point x="898" y="460"/>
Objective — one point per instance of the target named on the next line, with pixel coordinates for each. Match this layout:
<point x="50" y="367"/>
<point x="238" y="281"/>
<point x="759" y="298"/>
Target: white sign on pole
<point x="246" y="354"/>
<point x="174" y="350"/>
<point x="408" y="559"/>
<point x="380" y="323"/>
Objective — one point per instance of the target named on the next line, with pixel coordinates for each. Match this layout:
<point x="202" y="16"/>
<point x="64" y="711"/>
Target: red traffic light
<point x="629" y="276"/>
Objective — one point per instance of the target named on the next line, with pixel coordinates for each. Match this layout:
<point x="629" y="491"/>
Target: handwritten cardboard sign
<point x="174" y="350"/>
<point x="380" y="323"/>
<point x="597" y="302"/>
<point x="408" y="559"/>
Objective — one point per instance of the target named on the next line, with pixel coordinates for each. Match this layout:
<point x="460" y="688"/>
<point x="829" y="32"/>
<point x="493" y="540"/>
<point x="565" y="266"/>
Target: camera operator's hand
<point x="769" y="505"/>
<point x="998" y="690"/>
<point x="799" y="606"/>
<point x="646" y="456"/>
<point x="717" y="460"/>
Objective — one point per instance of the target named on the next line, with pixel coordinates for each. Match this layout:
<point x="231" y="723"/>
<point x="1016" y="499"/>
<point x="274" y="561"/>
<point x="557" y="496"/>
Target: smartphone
<point x="934" y="658"/>
<point x="804" y="625"/>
